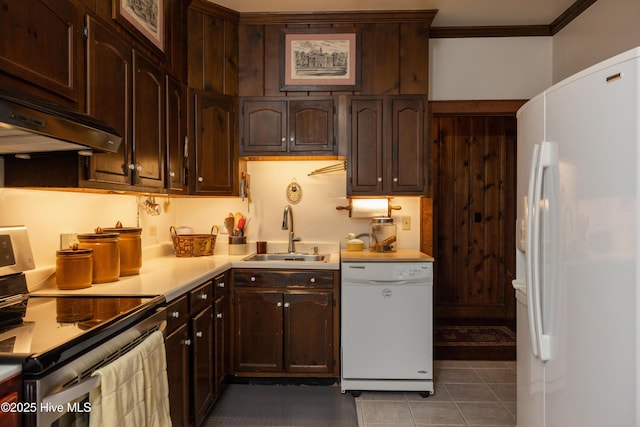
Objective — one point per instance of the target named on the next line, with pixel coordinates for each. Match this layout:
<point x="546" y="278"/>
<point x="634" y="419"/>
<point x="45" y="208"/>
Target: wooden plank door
<point x="474" y="216"/>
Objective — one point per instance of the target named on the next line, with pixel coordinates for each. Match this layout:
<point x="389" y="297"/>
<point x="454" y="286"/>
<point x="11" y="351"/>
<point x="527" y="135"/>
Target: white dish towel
<point x="133" y="390"/>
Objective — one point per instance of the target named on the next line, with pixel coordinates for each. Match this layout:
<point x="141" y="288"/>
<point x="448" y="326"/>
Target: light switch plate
<point x="406" y="223"/>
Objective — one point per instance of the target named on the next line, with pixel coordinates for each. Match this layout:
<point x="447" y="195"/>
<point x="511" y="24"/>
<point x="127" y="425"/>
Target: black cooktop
<point x="42" y="332"/>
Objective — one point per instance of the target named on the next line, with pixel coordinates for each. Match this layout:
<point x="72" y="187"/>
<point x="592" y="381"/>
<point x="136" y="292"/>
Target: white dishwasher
<point x="387" y="326"/>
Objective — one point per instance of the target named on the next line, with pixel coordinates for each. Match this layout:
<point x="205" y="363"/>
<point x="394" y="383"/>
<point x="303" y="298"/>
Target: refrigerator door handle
<point x="544" y="161"/>
<point x="529" y="268"/>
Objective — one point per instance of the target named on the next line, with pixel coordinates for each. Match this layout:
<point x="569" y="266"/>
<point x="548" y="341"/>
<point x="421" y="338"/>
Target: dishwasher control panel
<point x="416" y="272"/>
<point x="411" y="271"/>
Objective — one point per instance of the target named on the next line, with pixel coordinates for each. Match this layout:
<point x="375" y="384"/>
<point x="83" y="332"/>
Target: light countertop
<point x="400" y="255"/>
<point x="172" y="277"/>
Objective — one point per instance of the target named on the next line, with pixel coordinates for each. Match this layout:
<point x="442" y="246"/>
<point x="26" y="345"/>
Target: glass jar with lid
<point x="382" y="235"/>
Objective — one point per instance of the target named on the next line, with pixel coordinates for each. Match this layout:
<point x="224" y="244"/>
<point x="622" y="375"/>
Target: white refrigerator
<point x="578" y="250"/>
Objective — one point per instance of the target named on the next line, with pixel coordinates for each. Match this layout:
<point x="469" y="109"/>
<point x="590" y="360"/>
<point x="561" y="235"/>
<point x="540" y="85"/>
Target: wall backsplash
<point x="49" y="213"/>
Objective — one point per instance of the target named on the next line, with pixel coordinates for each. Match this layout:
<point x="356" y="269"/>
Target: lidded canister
<point x="106" y="254"/>
<point x="74" y="268"/>
<point x="130" y="248"/>
<point x="382" y="235"/>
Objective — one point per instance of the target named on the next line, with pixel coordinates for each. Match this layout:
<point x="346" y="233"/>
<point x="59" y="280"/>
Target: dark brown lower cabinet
<point x="285" y="326"/>
<point x="203" y="391"/>
<point x="197" y="350"/>
<point x="177" y="348"/>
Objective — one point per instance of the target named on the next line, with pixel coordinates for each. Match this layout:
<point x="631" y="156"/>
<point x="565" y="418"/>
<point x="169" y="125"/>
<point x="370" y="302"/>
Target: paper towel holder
<point x="349" y="207"/>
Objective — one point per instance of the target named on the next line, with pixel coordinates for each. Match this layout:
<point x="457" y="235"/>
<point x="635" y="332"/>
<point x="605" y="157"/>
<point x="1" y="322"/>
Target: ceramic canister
<point x="130" y="249"/>
<point x="74" y="268"/>
<point x="106" y="255"/>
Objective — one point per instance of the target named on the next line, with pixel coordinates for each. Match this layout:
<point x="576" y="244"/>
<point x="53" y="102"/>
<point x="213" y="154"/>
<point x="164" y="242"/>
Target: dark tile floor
<point x="467" y="393"/>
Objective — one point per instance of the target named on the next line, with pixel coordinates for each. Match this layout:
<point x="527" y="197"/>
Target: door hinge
<point x="85" y="32"/>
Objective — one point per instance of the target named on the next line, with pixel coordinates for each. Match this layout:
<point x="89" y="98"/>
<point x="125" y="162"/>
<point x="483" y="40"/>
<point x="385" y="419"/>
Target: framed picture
<point x="316" y="59"/>
<point x="145" y="17"/>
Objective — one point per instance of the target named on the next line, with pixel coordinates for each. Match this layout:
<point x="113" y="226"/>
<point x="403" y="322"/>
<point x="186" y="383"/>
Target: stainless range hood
<point x="33" y="125"/>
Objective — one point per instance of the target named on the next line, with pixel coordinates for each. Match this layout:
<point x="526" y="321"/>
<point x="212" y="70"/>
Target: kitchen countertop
<point x="400" y="255"/>
<point x="172" y="277"/>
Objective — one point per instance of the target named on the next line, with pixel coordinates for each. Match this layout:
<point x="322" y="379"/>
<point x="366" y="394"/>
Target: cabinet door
<point x="176" y="134"/>
<point x="220" y="348"/>
<point x="216" y="159"/>
<point x="311" y="126"/>
<point x="408" y="146"/>
<point x="264" y="126"/>
<point x="308" y="328"/>
<point x="109" y="65"/>
<point x="178" y="366"/>
<point x="258" y="331"/>
<point x="148" y="123"/>
<point x="39" y="43"/>
<point x="203" y="378"/>
<point x="365" y="167"/>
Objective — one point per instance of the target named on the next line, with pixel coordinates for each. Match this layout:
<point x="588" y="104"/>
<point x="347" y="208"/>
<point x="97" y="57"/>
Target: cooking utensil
<point x="229" y="223"/>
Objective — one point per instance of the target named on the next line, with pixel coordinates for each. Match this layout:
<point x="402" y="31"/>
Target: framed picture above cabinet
<point x="142" y="17"/>
<point x="320" y="59"/>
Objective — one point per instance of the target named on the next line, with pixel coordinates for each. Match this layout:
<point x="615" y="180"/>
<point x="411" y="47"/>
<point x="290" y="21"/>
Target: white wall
<point x="315" y="216"/>
<point x="47" y="214"/>
<point x="605" y="29"/>
<point x="489" y="68"/>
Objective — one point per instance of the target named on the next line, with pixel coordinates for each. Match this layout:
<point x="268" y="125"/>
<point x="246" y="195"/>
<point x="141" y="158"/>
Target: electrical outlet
<point x="153" y="231"/>
<point x="68" y="240"/>
<point x="406" y="223"/>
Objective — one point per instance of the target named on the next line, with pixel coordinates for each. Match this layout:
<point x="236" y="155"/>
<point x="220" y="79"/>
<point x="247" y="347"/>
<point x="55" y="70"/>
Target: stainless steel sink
<point x="288" y="257"/>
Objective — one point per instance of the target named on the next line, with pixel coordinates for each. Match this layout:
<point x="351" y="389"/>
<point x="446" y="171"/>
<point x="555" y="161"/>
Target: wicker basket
<point x="190" y="245"/>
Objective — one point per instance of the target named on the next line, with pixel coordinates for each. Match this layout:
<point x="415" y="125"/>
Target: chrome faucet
<point x="286" y="220"/>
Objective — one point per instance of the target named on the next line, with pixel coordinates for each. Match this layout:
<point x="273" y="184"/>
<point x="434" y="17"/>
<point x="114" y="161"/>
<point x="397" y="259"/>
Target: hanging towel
<point x="134" y="390"/>
<point x="156" y="394"/>
<point x="120" y="399"/>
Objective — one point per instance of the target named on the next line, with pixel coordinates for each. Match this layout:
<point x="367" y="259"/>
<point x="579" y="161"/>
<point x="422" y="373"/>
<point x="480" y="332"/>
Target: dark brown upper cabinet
<point x="213" y="156"/>
<point x="387" y="146"/>
<point x="176" y="136"/>
<point x="288" y="126"/>
<point x="40" y="48"/>
<point x="126" y="90"/>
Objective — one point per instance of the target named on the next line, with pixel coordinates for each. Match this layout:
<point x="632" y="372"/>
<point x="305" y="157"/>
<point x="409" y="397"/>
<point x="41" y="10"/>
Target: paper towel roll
<point x="369" y="208"/>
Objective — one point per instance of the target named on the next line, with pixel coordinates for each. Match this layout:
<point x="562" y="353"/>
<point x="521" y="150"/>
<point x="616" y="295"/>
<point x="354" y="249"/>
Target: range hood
<point x="33" y="125"/>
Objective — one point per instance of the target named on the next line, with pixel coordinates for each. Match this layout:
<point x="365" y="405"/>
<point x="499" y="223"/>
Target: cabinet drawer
<point x="201" y="297"/>
<point x="283" y="279"/>
<point x="177" y="313"/>
<point x="220" y="286"/>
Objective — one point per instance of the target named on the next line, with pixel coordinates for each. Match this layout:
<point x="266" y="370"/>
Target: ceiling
<point x="451" y="13"/>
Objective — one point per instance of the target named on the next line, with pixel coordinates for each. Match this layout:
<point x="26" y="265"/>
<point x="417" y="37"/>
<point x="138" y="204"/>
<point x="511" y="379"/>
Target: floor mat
<point x="474" y="336"/>
<point x="283" y="405"/>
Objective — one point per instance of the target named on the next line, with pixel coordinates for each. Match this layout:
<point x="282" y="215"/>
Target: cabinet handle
<point x="287" y="305"/>
<point x="312" y="280"/>
<point x="139" y="168"/>
<point x="199" y="334"/>
<point x="395" y="179"/>
<point x="379" y="179"/>
<point x="200" y="179"/>
<point x="220" y="284"/>
<point x="131" y="166"/>
<point x="175" y="314"/>
<point x="219" y="315"/>
<point x="204" y="297"/>
<point x="292" y="139"/>
<point x="172" y="174"/>
<point x="253" y="278"/>
<point x="186" y="342"/>
<point x="284" y="139"/>
<point x="279" y="304"/>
